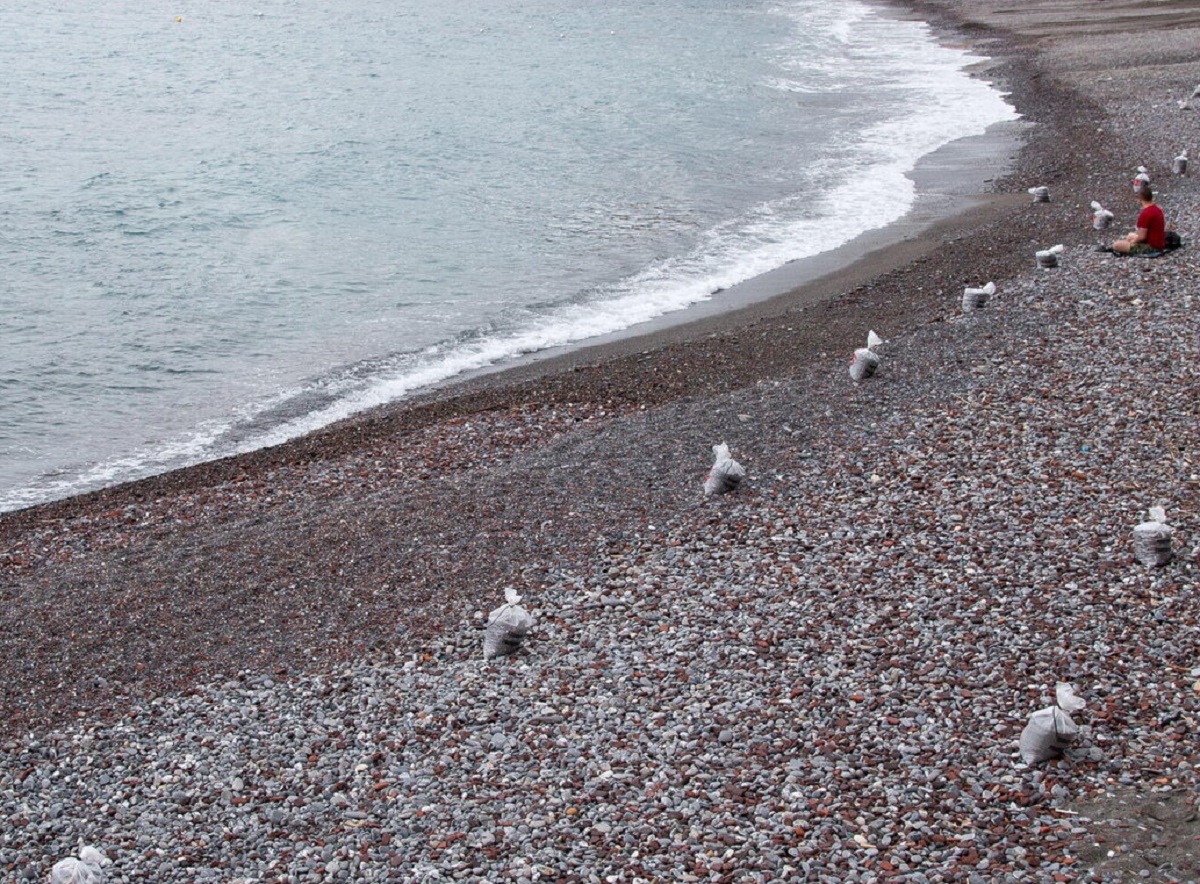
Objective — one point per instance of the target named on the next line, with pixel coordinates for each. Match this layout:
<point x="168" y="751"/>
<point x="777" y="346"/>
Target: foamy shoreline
<point x="943" y="179"/>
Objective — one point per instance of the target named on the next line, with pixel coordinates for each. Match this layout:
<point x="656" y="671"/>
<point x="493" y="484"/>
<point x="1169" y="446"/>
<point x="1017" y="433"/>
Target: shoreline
<point x="954" y="189"/>
<point x="821" y="676"/>
<point x="954" y="180"/>
<point x="954" y="186"/>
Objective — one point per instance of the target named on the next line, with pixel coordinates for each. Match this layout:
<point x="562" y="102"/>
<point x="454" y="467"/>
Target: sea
<point x="224" y="225"/>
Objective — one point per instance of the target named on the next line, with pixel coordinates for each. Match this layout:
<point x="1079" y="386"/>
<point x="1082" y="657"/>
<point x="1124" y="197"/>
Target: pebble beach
<point x="270" y="668"/>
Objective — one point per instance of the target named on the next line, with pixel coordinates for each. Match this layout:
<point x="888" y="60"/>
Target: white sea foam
<point x="874" y="191"/>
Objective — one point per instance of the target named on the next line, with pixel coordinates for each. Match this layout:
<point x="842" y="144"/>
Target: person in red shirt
<point x="1151" y="232"/>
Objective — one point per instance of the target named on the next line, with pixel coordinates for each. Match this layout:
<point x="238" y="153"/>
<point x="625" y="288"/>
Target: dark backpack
<point x="1173" y="241"/>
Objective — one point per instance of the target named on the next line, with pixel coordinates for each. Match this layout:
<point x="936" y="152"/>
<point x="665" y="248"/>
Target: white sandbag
<point x="1152" y="544"/>
<point x="726" y="473"/>
<point x="87" y="869"/>
<point x="1141" y="179"/>
<point x="1102" y="218"/>
<point x="1040" y="194"/>
<point x="1152" y="539"/>
<point x="864" y="365"/>
<point x="1179" y="166"/>
<point x="507" y="627"/>
<point x="1047" y="733"/>
<point x="1049" y="257"/>
<point x="72" y="871"/>
<point x="866" y="361"/>
<point x="975" y="298"/>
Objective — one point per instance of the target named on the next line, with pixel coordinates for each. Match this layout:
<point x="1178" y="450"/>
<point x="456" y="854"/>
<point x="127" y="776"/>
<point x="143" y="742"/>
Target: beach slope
<point x="821" y="676"/>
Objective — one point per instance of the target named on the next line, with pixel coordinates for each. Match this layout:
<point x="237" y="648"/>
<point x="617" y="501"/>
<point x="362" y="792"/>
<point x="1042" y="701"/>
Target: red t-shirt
<point x="1152" y="221"/>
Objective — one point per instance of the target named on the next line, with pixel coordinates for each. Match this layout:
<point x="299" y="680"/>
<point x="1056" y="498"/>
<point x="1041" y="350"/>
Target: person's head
<point x="1145" y="194"/>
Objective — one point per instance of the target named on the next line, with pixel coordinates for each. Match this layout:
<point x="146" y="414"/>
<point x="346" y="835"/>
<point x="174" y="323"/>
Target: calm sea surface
<point x="226" y="224"/>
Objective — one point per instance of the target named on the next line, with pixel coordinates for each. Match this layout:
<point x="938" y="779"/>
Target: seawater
<point x="224" y="225"/>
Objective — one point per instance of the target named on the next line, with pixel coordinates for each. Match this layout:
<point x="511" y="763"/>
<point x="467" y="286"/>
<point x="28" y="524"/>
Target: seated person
<point x="1151" y="232"/>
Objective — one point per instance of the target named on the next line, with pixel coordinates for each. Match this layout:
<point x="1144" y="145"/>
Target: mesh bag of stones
<point x="1152" y="543"/>
<point x="1048" y="732"/>
<point x="507" y="627"/>
<point x="87" y="869"/>
<point x="726" y="473"/>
